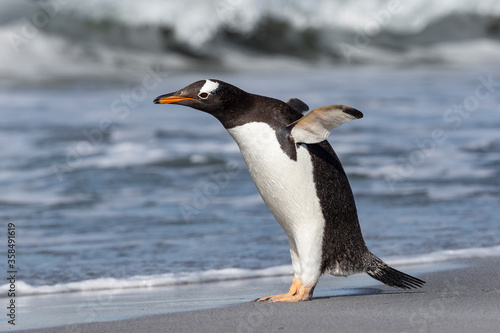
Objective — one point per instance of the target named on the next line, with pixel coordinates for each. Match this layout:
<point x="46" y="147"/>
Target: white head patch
<point x="209" y="87"/>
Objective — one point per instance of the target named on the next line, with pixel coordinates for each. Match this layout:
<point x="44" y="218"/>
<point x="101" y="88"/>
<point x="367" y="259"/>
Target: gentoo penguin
<point x="300" y="178"/>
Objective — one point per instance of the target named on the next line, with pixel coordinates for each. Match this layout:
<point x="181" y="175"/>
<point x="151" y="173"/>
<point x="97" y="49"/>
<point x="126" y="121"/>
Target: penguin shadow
<point x="355" y="292"/>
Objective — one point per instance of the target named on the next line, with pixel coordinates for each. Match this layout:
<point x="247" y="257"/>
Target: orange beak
<point x="170" y="98"/>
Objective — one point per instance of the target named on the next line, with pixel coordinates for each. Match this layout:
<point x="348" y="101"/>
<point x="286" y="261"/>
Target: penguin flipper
<point x="315" y="126"/>
<point x="297" y="105"/>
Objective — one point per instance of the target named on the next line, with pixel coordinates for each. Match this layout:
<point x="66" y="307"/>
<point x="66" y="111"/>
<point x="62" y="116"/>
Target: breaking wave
<point x="61" y="39"/>
<point x="228" y="274"/>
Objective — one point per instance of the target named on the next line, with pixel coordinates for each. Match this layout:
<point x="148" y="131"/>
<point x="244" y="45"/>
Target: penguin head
<point x="212" y="96"/>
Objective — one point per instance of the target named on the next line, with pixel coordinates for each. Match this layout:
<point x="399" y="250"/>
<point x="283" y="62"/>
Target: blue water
<point x="98" y="192"/>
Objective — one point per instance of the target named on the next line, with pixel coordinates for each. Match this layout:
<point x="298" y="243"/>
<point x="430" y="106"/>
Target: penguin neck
<point x="255" y="108"/>
<point x="238" y="112"/>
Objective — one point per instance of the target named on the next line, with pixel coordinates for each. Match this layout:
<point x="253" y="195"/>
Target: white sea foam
<point x="228" y="274"/>
<point x="126" y="154"/>
<point x="444" y="255"/>
<point x="37" y="198"/>
<point x="141" y="281"/>
<point x="452" y="192"/>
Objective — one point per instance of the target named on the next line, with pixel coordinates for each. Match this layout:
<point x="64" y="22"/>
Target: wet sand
<point x="463" y="298"/>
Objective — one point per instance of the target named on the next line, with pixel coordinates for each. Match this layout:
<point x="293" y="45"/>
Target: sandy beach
<point x="464" y="297"/>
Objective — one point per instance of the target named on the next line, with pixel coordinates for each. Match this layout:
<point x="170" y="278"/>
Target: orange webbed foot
<point x="297" y="293"/>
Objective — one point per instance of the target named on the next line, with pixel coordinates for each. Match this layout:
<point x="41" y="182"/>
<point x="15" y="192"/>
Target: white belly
<point x="287" y="187"/>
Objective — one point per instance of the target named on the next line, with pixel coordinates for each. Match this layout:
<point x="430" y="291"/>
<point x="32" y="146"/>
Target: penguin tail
<point x="392" y="277"/>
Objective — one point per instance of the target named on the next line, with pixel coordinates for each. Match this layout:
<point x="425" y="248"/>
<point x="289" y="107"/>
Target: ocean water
<point x="107" y="190"/>
<point x="160" y="195"/>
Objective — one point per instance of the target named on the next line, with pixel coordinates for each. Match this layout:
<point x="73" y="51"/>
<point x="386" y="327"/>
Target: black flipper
<point x="297" y="104"/>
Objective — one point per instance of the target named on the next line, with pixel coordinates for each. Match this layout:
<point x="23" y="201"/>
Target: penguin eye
<point x="203" y="95"/>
